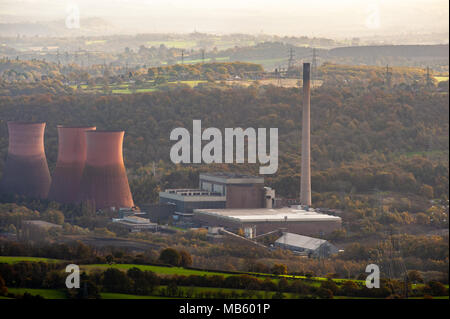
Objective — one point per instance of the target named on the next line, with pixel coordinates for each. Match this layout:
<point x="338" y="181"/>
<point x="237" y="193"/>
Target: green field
<point x="46" y="293"/>
<point x="180" y="44"/>
<point x="164" y="270"/>
<point x="218" y="59"/>
<point x="13" y="260"/>
<point x="441" y="78"/>
<point x="112" y="295"/>
<point x="125" y="88"/>
<point x="156" y="269"/>
<point x="94" y="42"/>
<point x="60" y="294"/>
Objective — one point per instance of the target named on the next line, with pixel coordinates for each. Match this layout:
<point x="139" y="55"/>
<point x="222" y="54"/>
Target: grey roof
<point x="300" y="241"/>
<point x="252" y="215"/>
<point x="231" y="178"/>
<point x="229" y="175"/>
<point x="41" y="223"/>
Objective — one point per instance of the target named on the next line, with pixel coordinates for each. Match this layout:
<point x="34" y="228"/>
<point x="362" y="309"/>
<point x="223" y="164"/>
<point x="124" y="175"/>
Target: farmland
<point x="170" y="271"/>
<point x="13" y="259"/>
<point x="156" y="269"/>
<point x="127" y="88"/>
<point x="46" y="293"/>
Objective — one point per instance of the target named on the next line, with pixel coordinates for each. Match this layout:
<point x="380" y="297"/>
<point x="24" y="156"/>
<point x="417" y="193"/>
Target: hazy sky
<point x="342" y="18"/>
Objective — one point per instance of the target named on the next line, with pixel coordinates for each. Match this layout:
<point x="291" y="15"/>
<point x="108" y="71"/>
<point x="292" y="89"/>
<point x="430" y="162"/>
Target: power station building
<point x="186" y="200"/>
<point x="240" y="191"/>
<point x="221" y="191"/>
<point x="263" y="220"/>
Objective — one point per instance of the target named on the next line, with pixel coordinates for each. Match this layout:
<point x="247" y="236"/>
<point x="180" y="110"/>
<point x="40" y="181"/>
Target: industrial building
<point x="263" y="220"/>
<point x="186" y="200"/>
<point x="243" y="203"/>
<point x="66" y="177"/>
<point x="26" y="171"/>
<point x="241" y="191"/>
<point x="159" y="212"/>
<point x="306" y="245"/>
<point x="136" y="223"/>
<point x="220" y="191"/>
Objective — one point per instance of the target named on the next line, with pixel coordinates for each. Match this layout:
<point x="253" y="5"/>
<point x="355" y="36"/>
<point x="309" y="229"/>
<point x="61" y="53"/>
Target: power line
<point x="388" y="77"/>
<point x="314" y="67"/>
<point x="429" y="82"/>
<point x="291" y="59"/>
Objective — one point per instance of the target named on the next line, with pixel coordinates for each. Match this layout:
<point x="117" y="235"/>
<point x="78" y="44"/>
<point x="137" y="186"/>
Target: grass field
<point x="112" y="295"/>
<point x="156" y="269"/>
<point x="13" y="260"/>
<point x="46" y="293"/>
<point x="60" y="294"/>
<point x="169" y="271"/>
<point x="180" y="44"/>
<point x="441" y="78"/>
<point x="94" y="42"/>
<point x="162" y="270"/>
<point x="124" y="88"/>
<point x="218" y="59"/>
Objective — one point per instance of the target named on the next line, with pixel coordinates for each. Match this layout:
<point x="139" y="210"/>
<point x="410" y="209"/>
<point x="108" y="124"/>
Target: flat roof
<point x="136" y="219"/>
<point x="300" y="241"/>
<point x="231" y="178"/>
<point x="267" y="214"/>
<point x="191" y="195"/>
<point x="41" y="223"/>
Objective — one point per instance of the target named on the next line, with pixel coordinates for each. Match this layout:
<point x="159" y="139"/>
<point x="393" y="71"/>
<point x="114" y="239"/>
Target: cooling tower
<point x="66" y="178"/>
<point x="104" y="182"/>
<point x="305" y="182"/>
<point x="26" y="171"/>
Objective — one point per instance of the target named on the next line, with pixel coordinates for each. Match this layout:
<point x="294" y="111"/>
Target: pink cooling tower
<point x="26" y="171"/>
<point x="104" y="182"/>
<point x="66" y="178"/>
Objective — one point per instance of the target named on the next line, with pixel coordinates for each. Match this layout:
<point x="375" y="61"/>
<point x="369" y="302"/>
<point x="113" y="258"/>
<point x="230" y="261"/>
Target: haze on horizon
<point x="329" y="18"/>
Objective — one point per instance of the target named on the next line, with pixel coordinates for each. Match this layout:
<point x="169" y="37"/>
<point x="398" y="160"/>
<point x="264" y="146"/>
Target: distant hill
<point x="440" y="51"/>
<point x="88" y="26"/>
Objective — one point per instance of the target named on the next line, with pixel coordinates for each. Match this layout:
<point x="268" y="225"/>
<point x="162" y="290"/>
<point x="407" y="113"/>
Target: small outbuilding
<point x="305" y="245"/>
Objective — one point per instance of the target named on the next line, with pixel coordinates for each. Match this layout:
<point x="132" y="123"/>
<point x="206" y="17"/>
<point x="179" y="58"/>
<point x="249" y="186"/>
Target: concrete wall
<point x="245" y="196"/>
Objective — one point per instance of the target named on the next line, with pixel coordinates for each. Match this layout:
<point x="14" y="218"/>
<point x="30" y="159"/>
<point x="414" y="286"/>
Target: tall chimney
<point x="305" y="183"/>
<point x="66" y="178"/>
<point x="104" y="182"/>
<point x="26" y="171"/>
